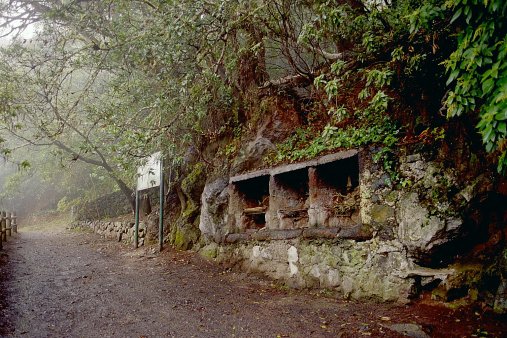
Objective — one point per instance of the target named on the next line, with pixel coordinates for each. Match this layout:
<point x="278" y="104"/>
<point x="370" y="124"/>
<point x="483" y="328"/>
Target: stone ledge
<point x="358" y="232"/>
<point x="265" y="234"/>
<point x="237" y="238"/>
<point x="295" y="166"/>
<point x="315" y="233"/>
<point x="248" y="176"/>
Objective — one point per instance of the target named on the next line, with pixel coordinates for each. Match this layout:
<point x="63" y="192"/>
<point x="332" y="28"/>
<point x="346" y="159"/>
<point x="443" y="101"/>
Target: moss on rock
<point x="210" y="251"/>
<point x="184" y="238"/>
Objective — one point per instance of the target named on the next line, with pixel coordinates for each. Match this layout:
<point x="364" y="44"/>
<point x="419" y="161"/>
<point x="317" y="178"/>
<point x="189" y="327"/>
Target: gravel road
<point x="62" y="283"/>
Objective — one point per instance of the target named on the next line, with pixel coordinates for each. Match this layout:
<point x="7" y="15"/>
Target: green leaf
<point x="490" y="147"/>
<point x="487" y="134"/>
<point x="453" y="76"/>
<point x="487" y="86"/>
<point x="456" y="15"/>
<point x="501" y="116"/>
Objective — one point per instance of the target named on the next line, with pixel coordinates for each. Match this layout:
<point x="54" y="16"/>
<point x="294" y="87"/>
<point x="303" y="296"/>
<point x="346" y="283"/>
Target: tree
<point x="50" y="100"/>
<point x="110" y="81"/>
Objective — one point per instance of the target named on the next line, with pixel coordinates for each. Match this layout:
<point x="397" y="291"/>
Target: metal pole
<point x="4" y="226"/>
<point x="8" y="224"/>
<point x="136" y="225"/>
<point x="161" y="211"/>
<point x="4" y="231"/>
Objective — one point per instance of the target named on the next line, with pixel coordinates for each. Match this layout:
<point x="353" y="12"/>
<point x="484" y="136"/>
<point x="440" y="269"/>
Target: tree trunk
<point x="129" y="193"/>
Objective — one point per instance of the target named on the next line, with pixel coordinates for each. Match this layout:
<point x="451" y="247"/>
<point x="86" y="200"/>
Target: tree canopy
<point x="107" y="82"/>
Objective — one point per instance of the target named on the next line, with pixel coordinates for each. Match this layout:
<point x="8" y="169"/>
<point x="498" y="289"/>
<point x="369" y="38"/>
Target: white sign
<point x="148" y="175"/>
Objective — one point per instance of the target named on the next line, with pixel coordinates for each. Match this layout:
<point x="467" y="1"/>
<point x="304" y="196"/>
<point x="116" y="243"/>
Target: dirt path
<point x="60" y="283"/>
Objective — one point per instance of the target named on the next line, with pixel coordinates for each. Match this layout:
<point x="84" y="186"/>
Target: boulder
<point x="252" y="155"/>
<point x="419" y="231"/>
<point x="214" y="200"/>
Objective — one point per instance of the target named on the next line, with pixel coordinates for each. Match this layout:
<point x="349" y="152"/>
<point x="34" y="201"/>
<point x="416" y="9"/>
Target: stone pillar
<point x="235" y="209"/>
<point x="272" y="221"/>
<point x="316" y="213"/>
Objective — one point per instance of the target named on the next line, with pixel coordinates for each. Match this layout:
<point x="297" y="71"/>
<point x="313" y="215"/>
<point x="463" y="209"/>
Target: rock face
<point x="253" y="154"/>
<point x="419" y="231"/>
<point x="214" y="200"/>
<point x="358" y="270"/>
<point x="185" y="230"/>
<point x="340" y="222"/>
<point x="500" y="303"/>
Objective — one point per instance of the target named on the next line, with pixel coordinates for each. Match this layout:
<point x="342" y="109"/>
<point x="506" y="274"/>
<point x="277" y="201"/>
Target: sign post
<point x="150" y="175"/>
<point x="136" y="224"/>
<point x="161" y="211"/>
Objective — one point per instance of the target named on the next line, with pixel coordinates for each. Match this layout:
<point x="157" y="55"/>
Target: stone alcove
<point x="317" y="198"/>
<point x="288" y="194"/>
<point x="334" y="193"/>
<point x="251" y="196"/>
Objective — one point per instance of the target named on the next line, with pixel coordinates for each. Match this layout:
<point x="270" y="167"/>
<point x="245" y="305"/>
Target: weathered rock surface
<point x="383" y="250"/>
<point x="421" y="232"/>
<point x="214" y="202"/>
<point x="252" y="154"/>
<point x="366" y="269"/>
<point x="500" y="303"/>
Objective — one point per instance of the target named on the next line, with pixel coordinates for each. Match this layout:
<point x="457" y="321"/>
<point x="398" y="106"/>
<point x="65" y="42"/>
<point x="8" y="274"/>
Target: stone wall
<point x="119" y="231"/>
<point x="346" y="226"/>
<point x="114" y="205"/>
<point x="108" y="206"/>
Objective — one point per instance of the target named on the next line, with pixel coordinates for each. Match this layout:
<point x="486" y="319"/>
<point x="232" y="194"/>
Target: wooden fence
<point x="8" y="226"/>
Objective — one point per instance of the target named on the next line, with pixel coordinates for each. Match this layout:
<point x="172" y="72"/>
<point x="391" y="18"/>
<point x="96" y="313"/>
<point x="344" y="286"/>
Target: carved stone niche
<point x="314" y="199"/>
<point x="334" y="194"/>
<point x="288" y="193"/>
<point x="248" y="203"/>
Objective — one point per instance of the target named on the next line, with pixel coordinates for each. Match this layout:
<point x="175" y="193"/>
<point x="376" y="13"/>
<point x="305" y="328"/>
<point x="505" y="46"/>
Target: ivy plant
<point x="478" y="70"/>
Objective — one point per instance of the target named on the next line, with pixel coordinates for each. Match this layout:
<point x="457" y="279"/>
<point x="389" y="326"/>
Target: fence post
<point x="14" y="223"/>
<point x="4" y="231"/>
<point x="8" y="224"/>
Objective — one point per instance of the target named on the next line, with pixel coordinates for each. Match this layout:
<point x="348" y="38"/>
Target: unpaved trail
<point x="61" y="283"/>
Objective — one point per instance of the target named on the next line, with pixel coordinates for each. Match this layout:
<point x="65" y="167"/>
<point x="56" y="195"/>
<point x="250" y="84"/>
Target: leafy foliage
<point x="478" y="70"/>
<point x="109" y="82"/>
<point x="305" y="144"/>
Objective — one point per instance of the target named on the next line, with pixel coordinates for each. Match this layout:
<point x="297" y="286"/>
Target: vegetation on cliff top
<point x="106" y="82"/>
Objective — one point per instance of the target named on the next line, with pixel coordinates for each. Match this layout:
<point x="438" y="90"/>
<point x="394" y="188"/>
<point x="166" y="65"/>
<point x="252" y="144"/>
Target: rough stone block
<point x="312" y="233"/>
<point x="262" y="235"/>
<point x="236" y="238"/>
<point x="286" y="234"/>
<point x="359" y="232"/>
<point x="413" y="158"/>
<point x="381" y="213"/>
<point x="265" y="234"/>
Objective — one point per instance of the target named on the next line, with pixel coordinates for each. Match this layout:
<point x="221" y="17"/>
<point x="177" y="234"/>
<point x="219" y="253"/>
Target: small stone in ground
<point x="411" y="330"/>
